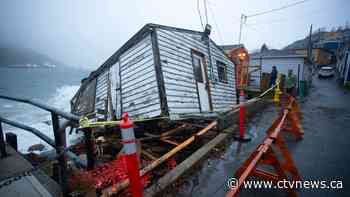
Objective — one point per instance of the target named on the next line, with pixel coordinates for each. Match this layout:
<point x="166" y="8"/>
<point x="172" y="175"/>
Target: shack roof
<point x="136" y="38"/>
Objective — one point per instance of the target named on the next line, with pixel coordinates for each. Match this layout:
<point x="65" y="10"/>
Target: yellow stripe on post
<point x="278" y="91"/>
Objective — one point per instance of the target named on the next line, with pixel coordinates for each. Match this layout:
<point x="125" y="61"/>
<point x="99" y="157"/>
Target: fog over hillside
<point x="10" y="56"/>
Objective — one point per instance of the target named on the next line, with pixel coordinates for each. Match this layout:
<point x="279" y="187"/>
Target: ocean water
<point x="52" y="86"/>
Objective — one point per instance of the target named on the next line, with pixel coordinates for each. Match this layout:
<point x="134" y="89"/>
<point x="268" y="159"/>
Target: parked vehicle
<point x="319" y="66"/>
<point x="325" y="72"/>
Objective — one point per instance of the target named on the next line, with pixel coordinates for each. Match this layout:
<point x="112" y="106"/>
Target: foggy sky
<point x="85" y="33"/>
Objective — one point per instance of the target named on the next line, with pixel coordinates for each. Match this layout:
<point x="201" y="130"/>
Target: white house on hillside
<point x="284" y="60"/>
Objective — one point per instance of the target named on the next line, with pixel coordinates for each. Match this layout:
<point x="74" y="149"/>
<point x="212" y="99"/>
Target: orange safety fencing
<point x="266" y="153"/>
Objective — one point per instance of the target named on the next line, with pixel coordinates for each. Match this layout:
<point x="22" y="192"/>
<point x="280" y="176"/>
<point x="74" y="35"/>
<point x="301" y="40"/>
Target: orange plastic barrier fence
<point x="266" y="153"/>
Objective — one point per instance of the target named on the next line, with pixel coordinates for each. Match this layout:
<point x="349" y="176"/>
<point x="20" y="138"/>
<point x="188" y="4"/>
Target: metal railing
<point x="63" y="114"/>
<point x="58" y="143"/>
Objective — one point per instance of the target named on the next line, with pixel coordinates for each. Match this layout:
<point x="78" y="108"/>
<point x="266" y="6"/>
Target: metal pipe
<point x="2" y="142"/>
<point x="42" y="136"/>
<point x="36" y="132"/>
<point x="59" y="146"/>
<point x="66" y="115"/>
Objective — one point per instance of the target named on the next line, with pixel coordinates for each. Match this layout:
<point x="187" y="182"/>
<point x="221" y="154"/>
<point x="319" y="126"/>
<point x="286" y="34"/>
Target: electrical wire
<point x="206" y="11"/>
<point x="271" y="10"/>
<point x="199" y="13"/>
<point x="277" y="9"/>
<point x="287" y="19"/>
<point x="216" y="24"/>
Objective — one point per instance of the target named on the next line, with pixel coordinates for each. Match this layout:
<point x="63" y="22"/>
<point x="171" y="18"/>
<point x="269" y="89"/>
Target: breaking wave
<point x="41" y="119"/>
<point x="62" y="96"/>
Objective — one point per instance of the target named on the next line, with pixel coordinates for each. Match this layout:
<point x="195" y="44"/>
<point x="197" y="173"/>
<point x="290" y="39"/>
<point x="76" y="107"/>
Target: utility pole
<point x="243" y="20"/>
<point x="309" y="51"/>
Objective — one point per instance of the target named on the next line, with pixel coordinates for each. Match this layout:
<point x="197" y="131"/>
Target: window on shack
<point x="222" y="71"/>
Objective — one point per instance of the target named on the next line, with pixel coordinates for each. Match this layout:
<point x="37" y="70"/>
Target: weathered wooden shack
<point x="160" y="71"/>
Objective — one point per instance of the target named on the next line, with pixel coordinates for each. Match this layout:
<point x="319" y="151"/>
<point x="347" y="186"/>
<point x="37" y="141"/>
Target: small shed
<point x="284" y="60"/>
<point x="160" y="71"/>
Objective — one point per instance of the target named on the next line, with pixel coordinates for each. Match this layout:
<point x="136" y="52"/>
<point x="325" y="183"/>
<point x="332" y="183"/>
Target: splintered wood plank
<point x="172" y="131"/>
<point x="170" y="142"/>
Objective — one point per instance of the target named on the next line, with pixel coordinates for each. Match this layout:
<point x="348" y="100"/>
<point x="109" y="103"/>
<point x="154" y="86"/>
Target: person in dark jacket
<point x="273" y="76"/>
<point x="291" y="83"/>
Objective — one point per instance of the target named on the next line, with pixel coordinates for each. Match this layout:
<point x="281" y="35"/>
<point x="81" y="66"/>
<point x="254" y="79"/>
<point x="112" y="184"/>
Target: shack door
<point x="201" y="78"/>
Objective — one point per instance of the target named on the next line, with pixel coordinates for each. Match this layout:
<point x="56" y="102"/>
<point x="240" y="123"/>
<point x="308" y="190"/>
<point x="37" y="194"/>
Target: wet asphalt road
<point x="323" y="154"/>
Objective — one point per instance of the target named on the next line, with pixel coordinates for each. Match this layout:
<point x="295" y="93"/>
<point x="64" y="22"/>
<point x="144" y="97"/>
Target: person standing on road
<point x="291" y="83"/>
<point x="273" y="76"/>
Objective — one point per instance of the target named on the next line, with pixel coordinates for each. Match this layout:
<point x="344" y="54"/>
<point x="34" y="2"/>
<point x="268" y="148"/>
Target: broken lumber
<point x="123" y="184"/>
<point x="177" y="172"/>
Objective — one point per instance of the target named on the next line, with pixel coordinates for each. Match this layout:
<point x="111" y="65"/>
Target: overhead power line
<point x="215" y="23"/>
<point x="199" y="13"/>
<point x="245" y="17"/>
<point x="288" y="19"/>
<point x="206" y="11"/>
<point x="277" y="9"/>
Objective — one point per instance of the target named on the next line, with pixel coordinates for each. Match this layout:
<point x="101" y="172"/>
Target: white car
<point x="326" y="71"/>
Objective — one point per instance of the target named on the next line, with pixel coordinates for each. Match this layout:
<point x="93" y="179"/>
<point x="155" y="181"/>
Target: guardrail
<point x="43" y="106"/>
<point x="58" y="143"/>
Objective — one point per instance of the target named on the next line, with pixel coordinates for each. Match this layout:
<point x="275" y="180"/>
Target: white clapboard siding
<point x="101" y="91"/>
<point x="223" y="94"/>
<point x="133" y="81"/>
<point x="176" y="62"/>
<point x="139" y="92"/>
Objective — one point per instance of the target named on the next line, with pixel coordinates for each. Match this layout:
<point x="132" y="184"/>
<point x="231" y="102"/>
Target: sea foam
<point x="41" y="120"/>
